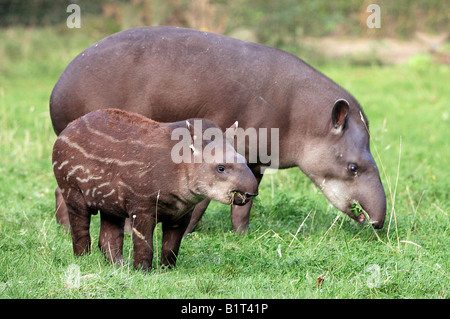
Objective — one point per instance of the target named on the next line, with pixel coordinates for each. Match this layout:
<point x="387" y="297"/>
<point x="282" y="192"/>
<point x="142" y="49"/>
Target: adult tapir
<point x="170" y="74"/>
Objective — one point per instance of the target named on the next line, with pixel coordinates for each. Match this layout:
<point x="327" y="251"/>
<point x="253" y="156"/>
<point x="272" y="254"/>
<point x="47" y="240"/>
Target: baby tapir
<point x="128" y="166"/>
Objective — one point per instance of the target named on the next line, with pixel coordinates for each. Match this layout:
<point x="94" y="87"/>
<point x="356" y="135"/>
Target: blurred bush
<point x="283" y="24"/>
<point x="272" y="22"/>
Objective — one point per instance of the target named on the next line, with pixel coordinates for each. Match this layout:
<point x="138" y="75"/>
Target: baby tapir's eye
<point x="221" y="168"/>
<point x="353" y="169"/>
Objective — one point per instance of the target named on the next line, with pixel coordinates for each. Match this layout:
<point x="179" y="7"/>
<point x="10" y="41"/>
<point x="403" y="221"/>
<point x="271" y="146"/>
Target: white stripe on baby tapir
<point x="81" y="180"/>
<point x="66" y="140"/>
<point x="109" y="194"/>
<point x="63" y="164"/>
<point x="127" y="187"/>
<point x="133" y="191"/>
<point x="90" y="177"/>
<point x="74" y="169"/>
<point x="146" y="170"/>
<point x="115" y="140"/>
<point x="60" y="166"/>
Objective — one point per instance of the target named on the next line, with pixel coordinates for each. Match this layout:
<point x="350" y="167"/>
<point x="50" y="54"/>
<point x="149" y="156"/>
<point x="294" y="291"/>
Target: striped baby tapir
<point x="122" y="165"/>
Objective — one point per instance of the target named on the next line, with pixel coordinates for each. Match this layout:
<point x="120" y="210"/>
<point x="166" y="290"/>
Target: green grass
<point x="295" y="236"/>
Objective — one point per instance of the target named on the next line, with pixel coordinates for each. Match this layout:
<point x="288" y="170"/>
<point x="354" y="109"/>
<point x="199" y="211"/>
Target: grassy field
<point x="298" y="246"/>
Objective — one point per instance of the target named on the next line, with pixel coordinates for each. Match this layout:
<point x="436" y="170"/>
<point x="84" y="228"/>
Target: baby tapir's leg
<point x="80" y="219"/>
<point x="143" y="227"/>
<point x="110" y="241"/>
<point x="62" y="215"/>
<point x="172" y="235"/>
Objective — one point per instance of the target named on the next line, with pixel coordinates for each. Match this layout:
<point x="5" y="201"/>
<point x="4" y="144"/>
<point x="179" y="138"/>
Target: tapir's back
<point x="171" y="74"/>
<point x="110" y="155"/>
<point x="112" y="132"/>
<point x="107" y="139"/>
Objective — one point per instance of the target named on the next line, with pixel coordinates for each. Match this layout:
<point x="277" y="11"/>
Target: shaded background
<point x="407" y="27"/>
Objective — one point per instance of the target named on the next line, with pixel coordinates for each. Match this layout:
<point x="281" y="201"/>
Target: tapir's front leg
<point x="110" y="240"/>
<point x="240" y="217"/>
<point x="197" y="214"/>
<point x="172" y="235"/>
<point x="143" y="227"/>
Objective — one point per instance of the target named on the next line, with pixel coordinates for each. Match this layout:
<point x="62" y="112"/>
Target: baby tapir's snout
<point x="222" y="174"/>
<point x="247" y="189"/>
<point x="242" y="199"/>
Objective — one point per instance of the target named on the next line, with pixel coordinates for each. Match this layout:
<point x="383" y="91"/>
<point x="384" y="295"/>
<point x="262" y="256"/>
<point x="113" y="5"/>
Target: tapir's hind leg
<point x="111" y="237"/>
<point x="61" y="212"/>
<point x="80" y="219"/>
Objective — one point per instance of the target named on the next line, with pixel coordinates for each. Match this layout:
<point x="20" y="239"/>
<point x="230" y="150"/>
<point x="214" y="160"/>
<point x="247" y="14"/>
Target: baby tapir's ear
<point x="190" y="128"/>
<point x="234" y="126"/>
<point x="230" y="132"/>
<point x="339" y="115"/>
<point x="195" y="130"/>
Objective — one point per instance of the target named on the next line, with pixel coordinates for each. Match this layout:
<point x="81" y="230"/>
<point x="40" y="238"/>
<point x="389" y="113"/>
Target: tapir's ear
<point x="339" y="115"/>
<point x="190" y="127"/>
<point x="230" y="132"/>
<point x="234" y="126"/>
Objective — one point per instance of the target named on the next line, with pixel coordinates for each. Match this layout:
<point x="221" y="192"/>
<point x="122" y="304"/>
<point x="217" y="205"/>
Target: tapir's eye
<point x="353" y="168"/>
<point x="221" y="168"/>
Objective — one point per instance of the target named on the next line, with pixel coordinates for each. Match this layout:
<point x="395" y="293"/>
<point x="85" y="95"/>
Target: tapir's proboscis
<point x="123" y="165"/>
<point x="170" y="74"/>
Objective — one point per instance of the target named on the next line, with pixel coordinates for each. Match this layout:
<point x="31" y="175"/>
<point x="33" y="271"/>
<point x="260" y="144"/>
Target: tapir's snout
<point x="376" y="223"/>
<point x="374" y="204"/>
<point x="377" y="211"/>
<point x="378" y="215"/>
<point x="367" y="198"/>
<point x="251" y="194"/>
<point x="239" y="198"/>
<point x="246" y="189"/>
